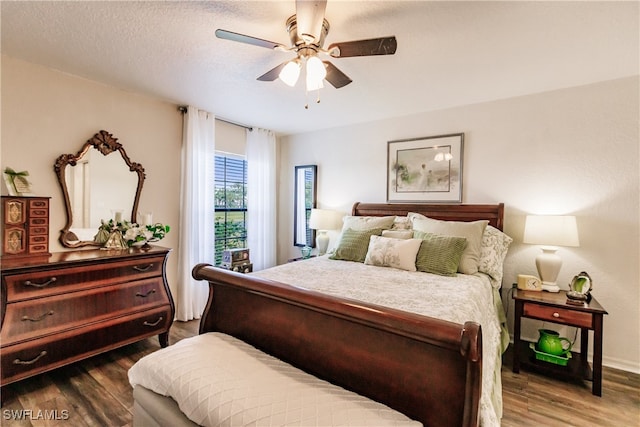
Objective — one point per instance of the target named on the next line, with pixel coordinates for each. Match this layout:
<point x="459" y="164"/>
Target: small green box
<point x="550" y="358"/>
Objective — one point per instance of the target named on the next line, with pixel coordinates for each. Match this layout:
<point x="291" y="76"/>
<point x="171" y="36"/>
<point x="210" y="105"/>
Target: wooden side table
<point x="553" y="307"/>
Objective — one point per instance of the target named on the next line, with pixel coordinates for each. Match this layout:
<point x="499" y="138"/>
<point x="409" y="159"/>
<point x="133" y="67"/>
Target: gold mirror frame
<point x="106" y="144"/>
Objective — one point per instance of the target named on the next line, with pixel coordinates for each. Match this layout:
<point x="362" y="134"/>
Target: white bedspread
<point x="218" y="380"/>
<point x="456" y="299"/>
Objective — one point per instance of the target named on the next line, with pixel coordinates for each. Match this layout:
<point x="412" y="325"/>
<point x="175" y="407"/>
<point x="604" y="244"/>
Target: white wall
<point x="46" y="113"/>
<point x="572" y="151"/>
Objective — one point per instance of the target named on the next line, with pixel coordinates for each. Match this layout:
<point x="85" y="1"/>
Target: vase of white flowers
<point x="131" y="234"/>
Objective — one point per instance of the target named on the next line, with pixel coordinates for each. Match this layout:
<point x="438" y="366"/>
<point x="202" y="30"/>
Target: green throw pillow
<point x="439" y="254"/>
<point x="354" y="244"/>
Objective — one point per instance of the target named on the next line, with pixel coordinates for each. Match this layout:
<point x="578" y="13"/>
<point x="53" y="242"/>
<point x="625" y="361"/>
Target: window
<point x="231" y="203"/>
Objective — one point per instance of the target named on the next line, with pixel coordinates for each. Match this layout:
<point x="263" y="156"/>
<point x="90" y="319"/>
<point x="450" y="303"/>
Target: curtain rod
<point x="183" y="110"/>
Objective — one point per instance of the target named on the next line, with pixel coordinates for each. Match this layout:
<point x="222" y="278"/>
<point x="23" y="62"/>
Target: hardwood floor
<point x="96" y="392"/>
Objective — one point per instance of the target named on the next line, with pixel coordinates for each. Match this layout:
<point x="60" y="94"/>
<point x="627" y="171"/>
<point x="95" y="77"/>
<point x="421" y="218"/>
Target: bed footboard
<point x="426" y="368"/>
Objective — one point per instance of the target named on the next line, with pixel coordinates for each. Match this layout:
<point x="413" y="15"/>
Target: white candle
<point x="118" y="216"/>
<point x="148" y="218"/>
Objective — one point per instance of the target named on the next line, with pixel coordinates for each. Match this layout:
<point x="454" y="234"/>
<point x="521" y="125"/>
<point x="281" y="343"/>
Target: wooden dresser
<point x="76" y="304"/>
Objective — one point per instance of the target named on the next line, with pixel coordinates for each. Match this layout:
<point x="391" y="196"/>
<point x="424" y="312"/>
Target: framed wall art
<point x="427" y="169"/>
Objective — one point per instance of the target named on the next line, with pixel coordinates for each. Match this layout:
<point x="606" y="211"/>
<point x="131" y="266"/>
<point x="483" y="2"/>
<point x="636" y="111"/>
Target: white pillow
<point x="493" y="251"/>
<point x="398" y="234"/>
<point x="396" y="253"/>
<point x="414" y="215"/>
<point x="472" y="231"/>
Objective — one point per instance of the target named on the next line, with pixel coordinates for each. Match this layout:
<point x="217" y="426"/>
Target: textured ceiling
<point x="449" y="53"/>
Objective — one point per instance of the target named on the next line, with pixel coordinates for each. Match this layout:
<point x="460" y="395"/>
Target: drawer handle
<point x="32" y="361"/>
<point x="142" y="269"/>
<point x="37" y="319"/>
<point x="556" y="315"/>
<point x="153" y="323"/>
<point x="152" y="291"/>
<point x="40" y="285"/>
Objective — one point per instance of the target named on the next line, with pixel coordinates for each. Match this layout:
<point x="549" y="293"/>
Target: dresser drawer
<point x="38" y="222"/>
<point x="34" y="357"/>
<point x="40" y="229"/>
<point x="40" y="212"/>
<point x="558" y="315"/>
<point x="57" y="281"/>
<point x="39" y="204"/>
<point x="39" y="248"/>
<point x="43" y="316"/>
<point x="38" y="239"/>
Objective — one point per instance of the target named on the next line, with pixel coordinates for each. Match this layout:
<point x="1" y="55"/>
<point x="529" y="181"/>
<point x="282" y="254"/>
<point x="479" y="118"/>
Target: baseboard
<point x="623" y="365"/>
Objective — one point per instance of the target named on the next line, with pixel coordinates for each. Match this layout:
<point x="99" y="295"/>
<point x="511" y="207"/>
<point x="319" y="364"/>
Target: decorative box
<point x="235" y="256"/>
<point x="239" y="267"/>
<point x="25" y="226"/>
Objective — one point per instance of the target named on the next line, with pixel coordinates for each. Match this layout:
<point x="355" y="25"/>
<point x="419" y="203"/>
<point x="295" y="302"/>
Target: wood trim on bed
<point x="446" y="212"/>
<point x="426" y="368"/>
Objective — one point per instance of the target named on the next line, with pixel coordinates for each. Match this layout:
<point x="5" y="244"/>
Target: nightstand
<point x="553" y="307"/>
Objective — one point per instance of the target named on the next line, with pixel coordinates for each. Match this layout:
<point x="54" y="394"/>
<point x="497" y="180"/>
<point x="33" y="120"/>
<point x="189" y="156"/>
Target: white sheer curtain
<point x="261" y="197"/>
<point x="197" y="211"/>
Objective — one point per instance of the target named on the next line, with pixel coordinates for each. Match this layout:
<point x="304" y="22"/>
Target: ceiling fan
<point x="307" y="32"/>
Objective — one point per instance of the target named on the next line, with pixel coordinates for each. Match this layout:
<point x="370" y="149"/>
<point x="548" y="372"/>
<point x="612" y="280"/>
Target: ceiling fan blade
<point x="379" y="46"/>
<point x="336" y="77"/>
<point x="237" y="37"/>
<point x="272" y="74"/>
<point x="309" y="17"/>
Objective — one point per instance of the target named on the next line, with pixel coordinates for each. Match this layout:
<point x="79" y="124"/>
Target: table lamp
<point x="550" y="231"/>
<point x="323" y="220"/>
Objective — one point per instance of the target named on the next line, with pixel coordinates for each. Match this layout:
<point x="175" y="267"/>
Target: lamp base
<point x="322" y="241"/>
<point x="548" y="264"/>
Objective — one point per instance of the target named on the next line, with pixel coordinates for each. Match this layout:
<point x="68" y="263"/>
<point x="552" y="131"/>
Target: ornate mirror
<point x="304" y="199"/>
<point x="98" y="183"/>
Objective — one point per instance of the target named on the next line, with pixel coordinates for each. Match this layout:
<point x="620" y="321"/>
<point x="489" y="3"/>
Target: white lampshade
<point x="550" y="231"/>
<point x="316" y="72"/>
<point x="323" y="220"/>
<point x="290" y="73"/>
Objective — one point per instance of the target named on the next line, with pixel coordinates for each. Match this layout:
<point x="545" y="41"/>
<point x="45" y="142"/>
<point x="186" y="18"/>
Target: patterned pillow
<point x="472" y="231"/>
<point x="401" y="223"/>
<point x="495" y="245"/>
<point x="354" y="244"/>
<point x="439" y="254"/>
<point x="396" y="253"/>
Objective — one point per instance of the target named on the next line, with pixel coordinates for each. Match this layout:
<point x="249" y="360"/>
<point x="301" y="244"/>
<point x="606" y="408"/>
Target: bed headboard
<point x="445" y="212"/>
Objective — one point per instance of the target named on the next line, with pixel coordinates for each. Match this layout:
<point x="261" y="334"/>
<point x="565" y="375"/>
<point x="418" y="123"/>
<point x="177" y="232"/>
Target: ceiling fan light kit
<point x="315" y="73"/>
<point x="290" y="73"/>
<point x="307" y="32"/>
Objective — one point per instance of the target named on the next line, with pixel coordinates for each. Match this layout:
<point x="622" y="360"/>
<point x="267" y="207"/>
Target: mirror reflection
<point x="98" y="183"/>
<point x="304" y="200"/>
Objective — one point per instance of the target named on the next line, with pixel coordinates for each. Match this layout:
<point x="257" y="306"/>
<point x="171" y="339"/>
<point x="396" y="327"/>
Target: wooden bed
<point x="426" y="368"/>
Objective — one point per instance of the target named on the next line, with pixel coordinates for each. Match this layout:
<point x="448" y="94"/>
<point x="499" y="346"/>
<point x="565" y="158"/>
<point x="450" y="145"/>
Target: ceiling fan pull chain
<point x="318" y="99"/>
